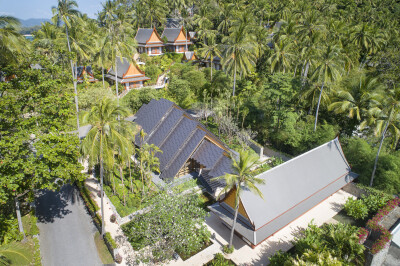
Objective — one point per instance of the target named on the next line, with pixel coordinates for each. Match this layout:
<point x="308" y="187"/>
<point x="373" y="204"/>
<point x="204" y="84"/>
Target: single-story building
<point x="290" y="190"/>
<point x="128" y="74"/>
<point x="189" y="56"/>
<point x="177" y="41"/>
<point x="187" y="146"/>
<point x="85" y="72"/>
<point x="216" y="63"/>
<point x="149" y="42"/>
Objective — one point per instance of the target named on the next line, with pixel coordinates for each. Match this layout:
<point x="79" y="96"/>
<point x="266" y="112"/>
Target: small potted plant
<point x="118" y="258"/>
<point x="113" y="218"/>
<point x="228" y="250"/>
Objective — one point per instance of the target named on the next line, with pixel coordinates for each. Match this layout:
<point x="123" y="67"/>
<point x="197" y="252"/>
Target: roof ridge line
<point x="159" y="123"/>
<point x="301" y="155"/>
<point x="180" y="149"/>
<point x="172" y="130"/>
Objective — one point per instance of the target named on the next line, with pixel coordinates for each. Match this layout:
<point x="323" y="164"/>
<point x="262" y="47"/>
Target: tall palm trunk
<point x="130" y="174"/>
<point x="234" y="222"/>
<point x="377" y="155"/>
<point x="74" y="81"/>
<point x="102" y="75"/>
<point x="212" y="59"/>
<point x="116" y="81"/>
<point x="316" y="113"/>
<point x="234" y="79"/>
<point x="122" y="183"/>
<point x="102" y="193"/>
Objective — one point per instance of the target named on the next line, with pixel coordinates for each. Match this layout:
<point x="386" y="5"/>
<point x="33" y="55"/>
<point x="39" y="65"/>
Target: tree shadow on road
<point x="54" y="204"/>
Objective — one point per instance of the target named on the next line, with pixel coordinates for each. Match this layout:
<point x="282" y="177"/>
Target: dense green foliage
<point x="173" y="223"/>
<point x="333" y="243"/>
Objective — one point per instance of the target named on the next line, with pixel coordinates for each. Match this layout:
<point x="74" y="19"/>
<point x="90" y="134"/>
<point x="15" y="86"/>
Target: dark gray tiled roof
<point x="175" y="141"/>
<point x="208" y="154"/>
<point x="179" y="137"/>
<point x="222" y="167"/>
<point x="183" y="155"/>
<point x="165" y="128"/>
<point x="122" y="67"/>
<point x="143" y="35"/>
<point x="171" y="34"/>
<point x="152" y="114"/>
<point x="173" y="23"/>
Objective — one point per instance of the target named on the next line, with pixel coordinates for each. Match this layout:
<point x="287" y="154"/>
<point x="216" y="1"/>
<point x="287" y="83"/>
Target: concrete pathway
<point x="66" y="230"/>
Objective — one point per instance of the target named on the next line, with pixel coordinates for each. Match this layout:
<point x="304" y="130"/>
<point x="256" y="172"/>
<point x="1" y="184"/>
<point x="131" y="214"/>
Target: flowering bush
<point x="384" y="234"/>
<point x="113" y="218"/>
<point x="362" y="235"/>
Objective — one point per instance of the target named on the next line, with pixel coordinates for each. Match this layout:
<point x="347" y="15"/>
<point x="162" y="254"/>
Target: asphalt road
<point x="66" y="230"/>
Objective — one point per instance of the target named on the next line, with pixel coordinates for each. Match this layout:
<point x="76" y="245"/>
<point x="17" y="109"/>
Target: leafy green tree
<point x="180" y="91"/>
<point x="175" y="223"/>
<point x="106" y="134"/>
<point x="243" y="178"/>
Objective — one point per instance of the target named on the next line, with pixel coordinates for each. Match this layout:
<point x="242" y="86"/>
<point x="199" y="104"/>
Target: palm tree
<point x="106" y="134"/>
<point x="65" y="12"/>
<point x="11" y="42"/>
<point x="281" y="57"/>
<point x="225" y="14"/>
<point x="210" y="51"/>
<point x="327" y="70"/>
<point x="241" y="180"/>
<point x="119" y="41"/>
<point x="239" y="54"/>
<point x="357" y="98"/>
<point x="385" y="117"/>
<point x="155" y="11"/>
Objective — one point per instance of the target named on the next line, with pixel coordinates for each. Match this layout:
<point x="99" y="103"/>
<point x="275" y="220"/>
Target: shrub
<point x="118" y="258"/>
<point x="110" y="240"/>
<point x="356" y="208"/>
<point x="279" y="258"/>
<point x="219" y="260"/>
<point x="228" y="250"/>
<point x="113" y="218"/>
<point x="362" y="235"/>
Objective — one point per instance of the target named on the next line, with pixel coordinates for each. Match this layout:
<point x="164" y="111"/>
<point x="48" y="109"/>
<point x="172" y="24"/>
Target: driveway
<point x="66" y="230"/>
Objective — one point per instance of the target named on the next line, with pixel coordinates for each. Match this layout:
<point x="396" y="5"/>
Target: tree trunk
<point x="21" y="228"/>
<point x="130" y="174"/>
<point x="316" y="113"/>
<point x="116" y="81"/>
<point x="102" y="75"/>
<point x="211" y="58"/>
<point x="74" y="81"/>
<point x="101" y="196"/>
<point x="122" y="182"/>
<point x="377" y="155"/>
<point x="305" y="74"/>
<point x="233" y="224"/>
<point x="234" y="80"/>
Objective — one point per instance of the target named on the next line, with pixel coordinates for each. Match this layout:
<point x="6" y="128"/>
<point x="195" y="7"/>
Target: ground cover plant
<point x="334" y="244"/>
<point x="174" y="223"/>
<point x="219" y="260"/>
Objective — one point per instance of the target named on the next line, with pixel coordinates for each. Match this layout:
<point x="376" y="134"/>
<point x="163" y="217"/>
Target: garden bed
<point x="342" y="217"/>
<point x="185" y="257"/>
<point x="220" y="260"/>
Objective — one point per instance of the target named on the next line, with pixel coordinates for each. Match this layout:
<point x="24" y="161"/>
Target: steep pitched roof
<point x="179" y="136"/>
<point x="189" y="55"/>
<point x="127" y="72"/>
<point x="294" y="181"/>
<point x="122" y="67"/>
<point x="143" y="35"/>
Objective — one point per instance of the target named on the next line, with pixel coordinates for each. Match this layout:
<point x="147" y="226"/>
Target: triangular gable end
<point x="154" y="37"/>
<point x="230" y="200"/>
<point x="133" y="70"/>
<point x="181" y="36"/>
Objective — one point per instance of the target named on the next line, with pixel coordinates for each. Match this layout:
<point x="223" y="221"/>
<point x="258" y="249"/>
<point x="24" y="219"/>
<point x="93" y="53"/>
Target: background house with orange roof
<point x="128" y="74"/>
<point x="177" y="40"/>
<point x="149" y="42"/>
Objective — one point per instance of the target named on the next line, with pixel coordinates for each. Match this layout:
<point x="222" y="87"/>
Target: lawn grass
<point x="29" y="224"/>
<point x="102" y="250"/>
<point x="22" y="252"/>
